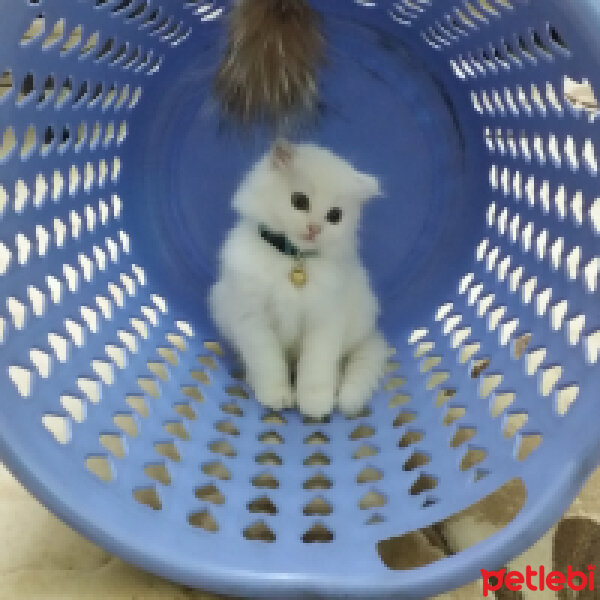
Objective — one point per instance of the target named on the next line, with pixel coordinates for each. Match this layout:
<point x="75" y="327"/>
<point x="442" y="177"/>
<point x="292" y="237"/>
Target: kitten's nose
<point x="313" y="231"/>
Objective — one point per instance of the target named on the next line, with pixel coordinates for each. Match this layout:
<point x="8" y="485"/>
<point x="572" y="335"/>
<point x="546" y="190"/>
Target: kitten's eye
<point x="334" y="215"/>
<point x="300" y="201"/>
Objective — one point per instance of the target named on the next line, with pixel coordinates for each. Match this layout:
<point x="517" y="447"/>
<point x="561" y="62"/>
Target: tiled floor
<point x="42" y="558"/>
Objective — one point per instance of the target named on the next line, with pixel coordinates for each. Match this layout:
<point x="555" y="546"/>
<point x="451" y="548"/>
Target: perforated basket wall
<point x="116" y="175"/>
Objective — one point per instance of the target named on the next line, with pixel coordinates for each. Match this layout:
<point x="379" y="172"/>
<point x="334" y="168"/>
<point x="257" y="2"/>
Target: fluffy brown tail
<point x="269" y="71"/>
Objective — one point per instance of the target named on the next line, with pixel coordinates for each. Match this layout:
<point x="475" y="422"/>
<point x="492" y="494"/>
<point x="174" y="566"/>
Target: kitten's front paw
<point x="352" y="399"/>
<point x="276" y="396"/>
<point x="316" y="401"/>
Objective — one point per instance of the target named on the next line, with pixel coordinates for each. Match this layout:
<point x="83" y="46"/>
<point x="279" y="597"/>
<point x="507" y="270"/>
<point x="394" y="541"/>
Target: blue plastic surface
<point x="102" y="338"/>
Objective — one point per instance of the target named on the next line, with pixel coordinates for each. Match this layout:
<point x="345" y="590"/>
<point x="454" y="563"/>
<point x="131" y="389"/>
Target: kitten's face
<point x="309" y="194"/>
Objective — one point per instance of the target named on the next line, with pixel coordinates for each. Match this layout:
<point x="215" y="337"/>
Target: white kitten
<point x="301" y="198"/>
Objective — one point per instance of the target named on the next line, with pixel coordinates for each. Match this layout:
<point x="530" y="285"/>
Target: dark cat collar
<point x="281" y="242"/>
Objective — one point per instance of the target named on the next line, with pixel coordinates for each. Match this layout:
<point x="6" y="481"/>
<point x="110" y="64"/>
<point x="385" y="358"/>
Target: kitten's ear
<point x="368" y="186"/>
<point x="282" y="154"/>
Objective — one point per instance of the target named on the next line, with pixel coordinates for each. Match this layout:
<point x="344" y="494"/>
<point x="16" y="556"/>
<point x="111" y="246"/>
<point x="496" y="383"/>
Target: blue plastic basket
<point x="115" y="183"/>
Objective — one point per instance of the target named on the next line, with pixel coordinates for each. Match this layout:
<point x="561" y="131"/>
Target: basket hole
<point x="169" y="355"/>
<point x="362" y="432"/>
<point x="369" y="475"/>
<point x="270" y="437"/>
<point x="236" y="391"/>
<point x="186" y="411"/>
<point x="399" y="400"/>
<point x="273" y="418"/>
<point x="213" y="346"/>
<point x="127" y="423"/>
<point x="423" y="348"/>
<point x="372" y="499"/>
<point x="27" y="89"/>
<point x="436" y="379"/>
<point x="417" y="460"/>
<point x="410" y="438"/>
<point x="479" y="366"/>
<point x="468" y="351"/>
<point x="534" y="360"/>
<point x="222" y="447"/>
<point x="73" y="40"/>
<point x="138" y="404"/>
<point x="192" y="392"/>
<point x="318" y="507"/>
<point x="489" y="383"/>
<point x="316" y="438"/>
<point x="34" y="31"/>
<point x="462" y="435"/>
<point x="216" y="469"/>
<point x="203" y="520"/>
<point x="365" y="451"/>
<point x="209" y="363"/>
<point x="158" y="472"/>
<point x="550" y="376"/>
<point x="259" y="532"/>
<point x="269" y="459"/>
<point x="443" y="396"/>
<point x="168" y="450"/>
<point x="514" y="423"/>
<point x="404" y="418"/>
<point x="556" y="38"/>
<point x="263" y="505"/>
<point x="317" y="482"/>
<point x="55" y="35"/>
<point x="500" y="508"/>
<point x="9" y="142"/>
<point x="473" y="457"/>
<point x="200" y="376"/>
<point x="527" y="444"/>
<point x="318" y="459"/>
<point x="231" y="408"/>
<point x="96" y="95"/>
<point x="565" y="398"/>
<point x="453" y="413"/>
<point x="209" y="493"/>
<point x="121" y="6"/>
<point x="580" y="96"/>
<point x="521" y="344"/>
<point x="58" y="426"/>
<point x="424" y="483"/>
<point x="114" y="444"/>
<point x="100" y="467"/>
<point x="227" y="427"/>
<point x="318" y="533"/>
<point x="29" y="142"/>
<point x="74" y="406"/>
<point x="159" y="369"/>
<point x="266" y="481"/>
<point x="64" y="93"/>
<point x="394" y="383"/>
<point x="105" y="50"/>
<point x="177" y="429"/>
<point x="316" y="420"/>
<point x="177" y="341"/>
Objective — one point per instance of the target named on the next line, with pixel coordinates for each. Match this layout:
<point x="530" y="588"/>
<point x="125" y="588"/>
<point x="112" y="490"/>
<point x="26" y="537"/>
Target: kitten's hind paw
<point x="315" y="402"/>
<point x="275" y="396"/>
<point x="352" y="399"/>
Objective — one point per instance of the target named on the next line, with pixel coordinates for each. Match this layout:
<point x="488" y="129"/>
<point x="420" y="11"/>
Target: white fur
<point x="326" y="330"/>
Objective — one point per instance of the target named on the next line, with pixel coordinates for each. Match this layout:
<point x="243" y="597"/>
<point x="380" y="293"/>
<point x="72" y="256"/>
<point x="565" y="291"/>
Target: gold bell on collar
<point x="298" y="276"/>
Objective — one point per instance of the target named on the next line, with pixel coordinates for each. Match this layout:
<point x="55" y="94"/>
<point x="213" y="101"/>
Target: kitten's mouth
<point x="309" y="237"/>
